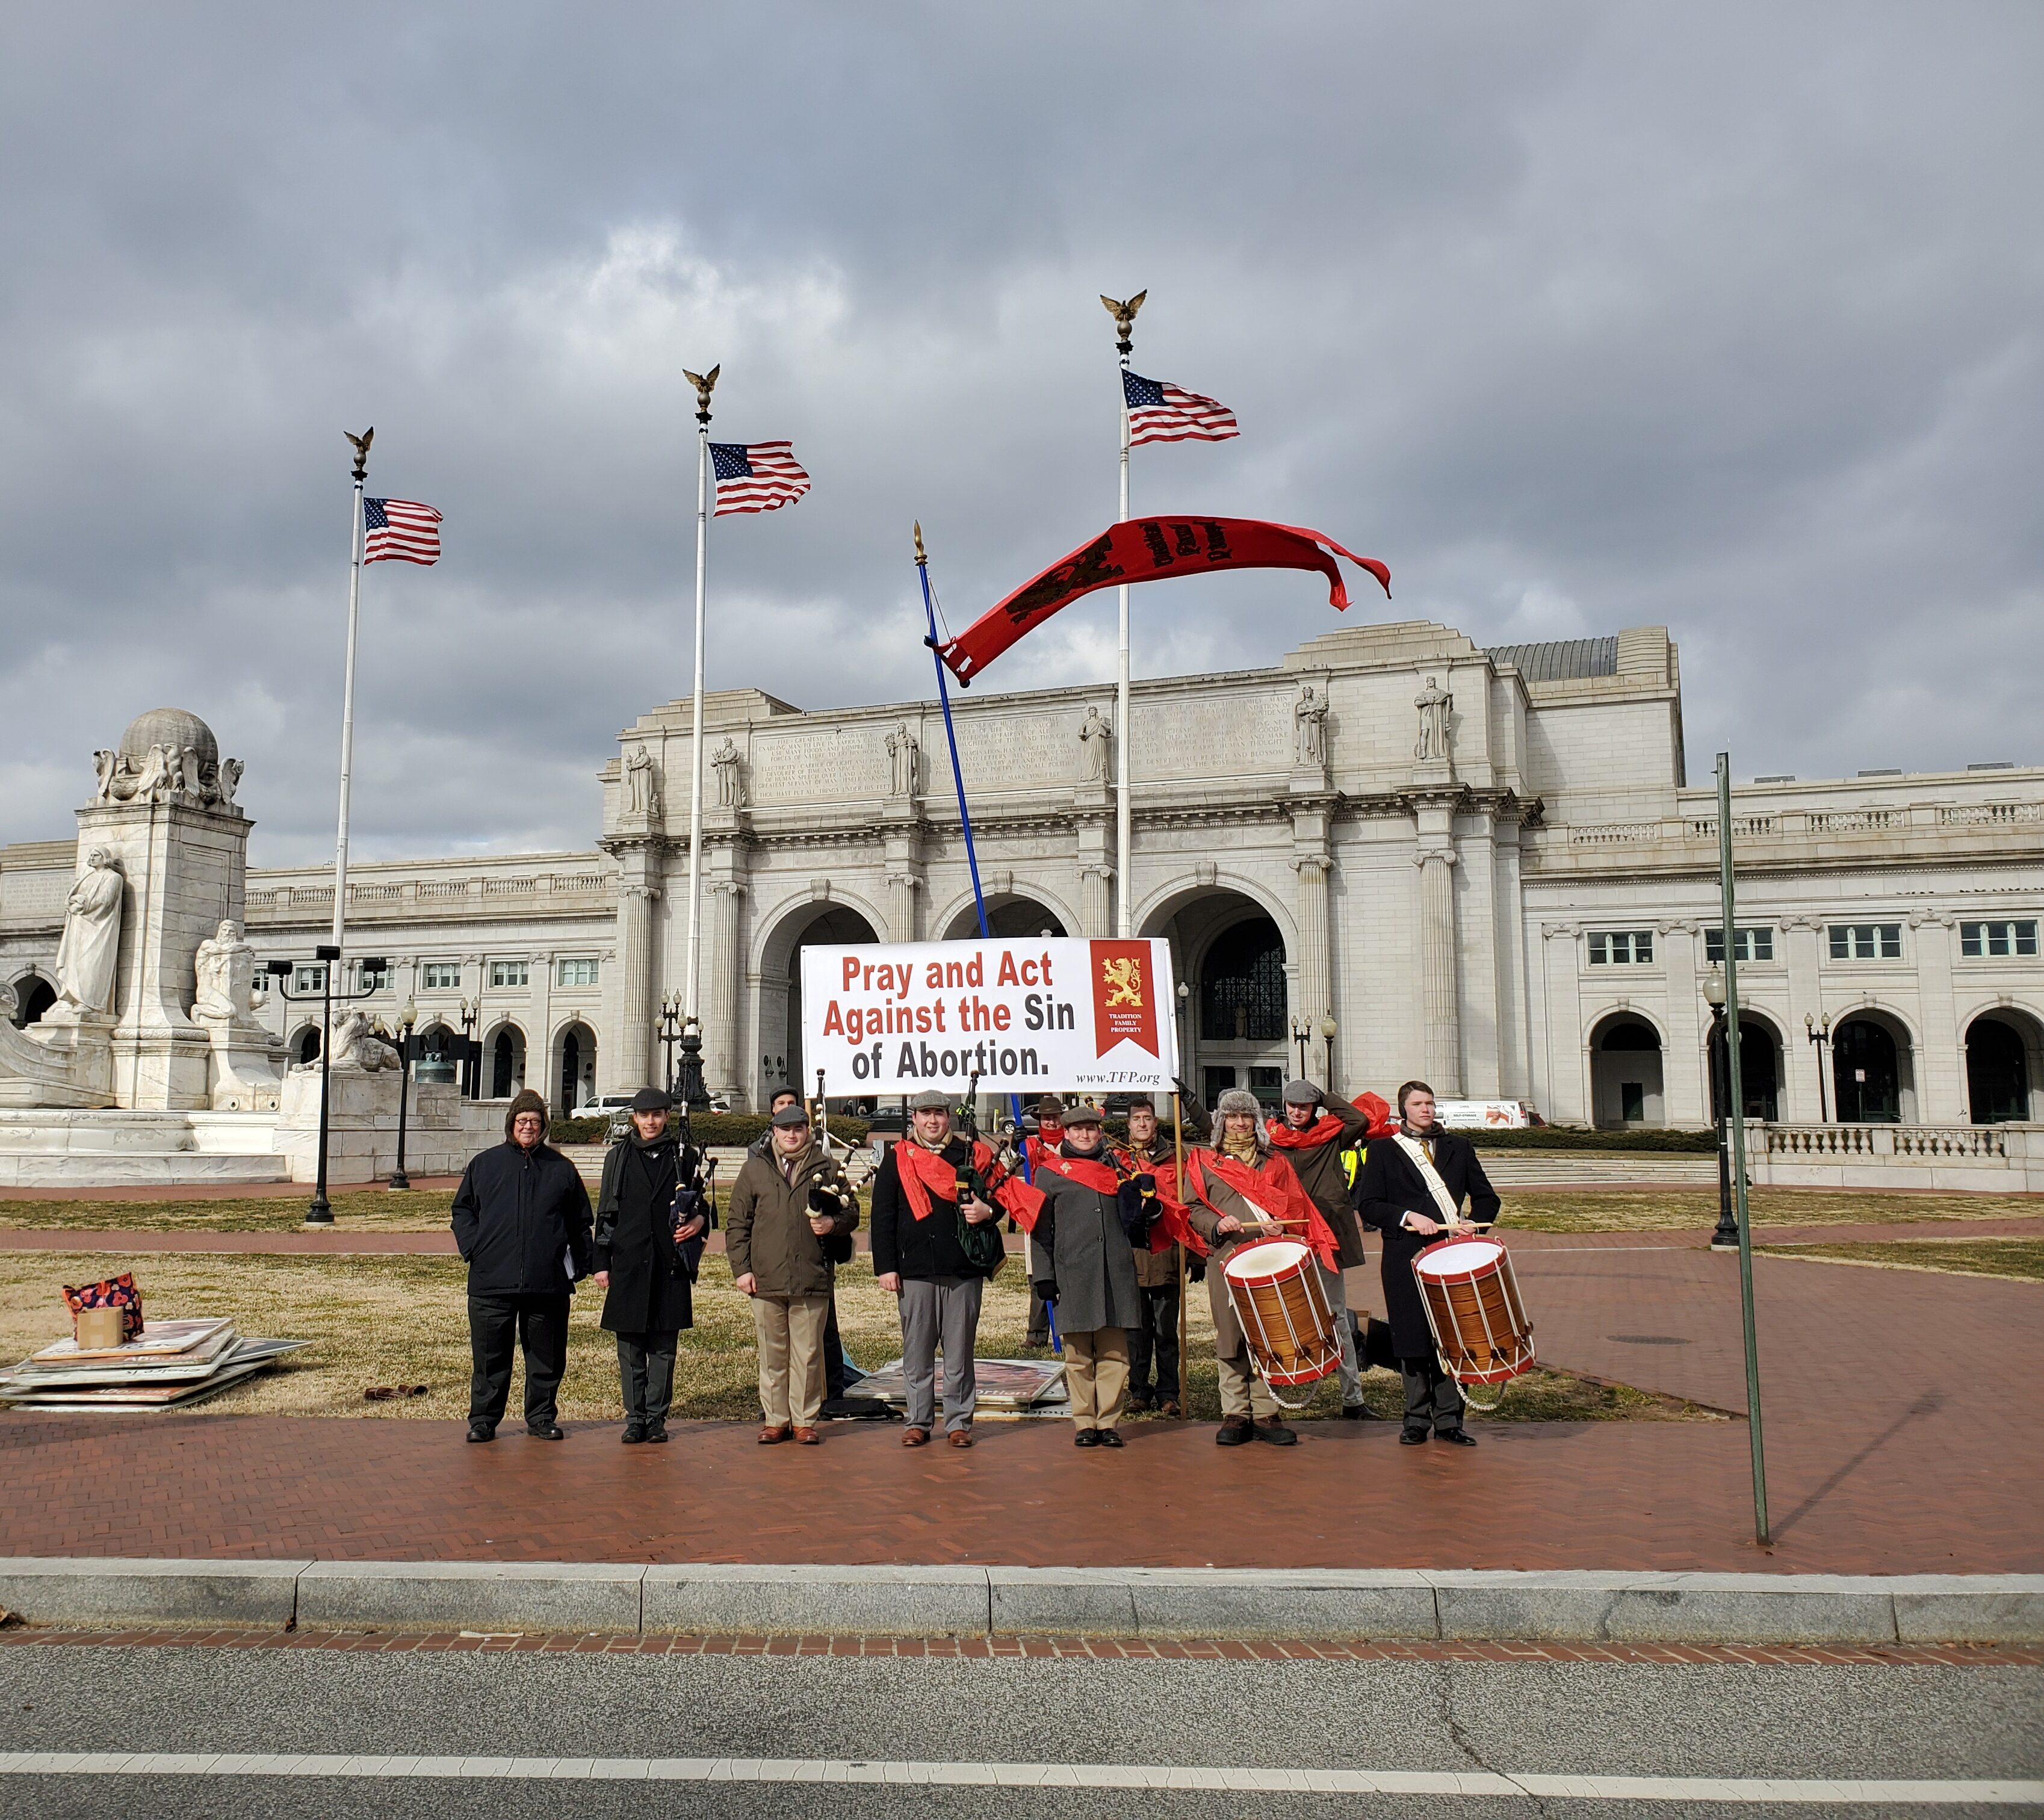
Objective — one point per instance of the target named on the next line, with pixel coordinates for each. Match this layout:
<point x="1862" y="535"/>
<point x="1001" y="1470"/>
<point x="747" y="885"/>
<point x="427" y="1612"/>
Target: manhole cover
<point x="1647" y="1339"/>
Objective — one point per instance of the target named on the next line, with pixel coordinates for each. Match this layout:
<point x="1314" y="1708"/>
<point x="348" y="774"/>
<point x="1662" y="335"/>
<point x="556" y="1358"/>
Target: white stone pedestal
<point x="442" y="1133"/>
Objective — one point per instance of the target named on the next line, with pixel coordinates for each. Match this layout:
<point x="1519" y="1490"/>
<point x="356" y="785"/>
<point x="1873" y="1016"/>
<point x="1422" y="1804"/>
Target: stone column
<point x="902" y="887"/>
<point x="1096" y="902"/>
<point x="1686" y="1067"/>
<point x="1802" y="1103"/>
<point x="1568" y="1067"/>
<point x="634" y="1056"/>
<point x="1439" y="985"/>
<point x="722" y="1073"/>
<point x="1315" y="977"/>
<point x="1942" y="1097"/>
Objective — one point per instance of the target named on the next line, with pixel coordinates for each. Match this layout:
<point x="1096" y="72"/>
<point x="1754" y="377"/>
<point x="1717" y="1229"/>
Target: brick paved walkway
<point x="1900" y="1438"/>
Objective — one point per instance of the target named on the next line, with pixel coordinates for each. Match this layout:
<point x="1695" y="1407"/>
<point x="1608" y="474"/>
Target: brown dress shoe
<point x="771" y="1435"/>
<point x="958" y="1437"/>
<point x="915" y="1437"/>
<point x="808" y="1438"/>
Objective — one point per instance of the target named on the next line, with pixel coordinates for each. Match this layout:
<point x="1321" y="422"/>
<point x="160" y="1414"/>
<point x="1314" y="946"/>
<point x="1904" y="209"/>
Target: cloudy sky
<point x="1580" y="315"/>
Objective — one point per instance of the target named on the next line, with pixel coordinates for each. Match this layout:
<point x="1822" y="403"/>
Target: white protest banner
<point x="1026" y="1016"/>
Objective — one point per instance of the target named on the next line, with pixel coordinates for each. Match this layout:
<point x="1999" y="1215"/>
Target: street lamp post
<point x="1820" y="1034"/>
<point x="399" y="1180"/>
<point x="471" y="1058"/>
<point x="671" y="1034"/>
<point x="1302" y="1034"/>
<point x="1725" y="1237"/>
<point x="328" y="955"/>
<point x="1327" y="1037"/>
<point x="690" y="1088"/>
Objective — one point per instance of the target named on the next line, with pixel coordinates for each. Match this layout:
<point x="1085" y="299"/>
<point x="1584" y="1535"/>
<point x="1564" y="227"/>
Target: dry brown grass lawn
<point x="379" y="1321"/>
<point x="366" y="1210"/>
<point x="1667" y="1210"/>
<point x="2020" y="1259"/>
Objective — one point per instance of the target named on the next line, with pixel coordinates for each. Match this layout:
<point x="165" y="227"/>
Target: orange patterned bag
<point x="115" y="1292"/>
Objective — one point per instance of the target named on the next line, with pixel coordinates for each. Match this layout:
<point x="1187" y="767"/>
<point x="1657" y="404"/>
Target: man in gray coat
<point x="1082" y="1261"/>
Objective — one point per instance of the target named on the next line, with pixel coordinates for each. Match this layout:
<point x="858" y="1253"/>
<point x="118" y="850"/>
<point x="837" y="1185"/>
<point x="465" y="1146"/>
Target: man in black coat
<point x="521" y="1224"/>
<point x="639" y="1229"/>
<point x="1392" y="1195"/>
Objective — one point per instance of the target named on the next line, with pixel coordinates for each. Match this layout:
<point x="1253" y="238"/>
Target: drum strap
<point x="1417" y="1152"/>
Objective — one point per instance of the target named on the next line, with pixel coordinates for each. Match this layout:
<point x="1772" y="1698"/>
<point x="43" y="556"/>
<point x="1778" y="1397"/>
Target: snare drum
<point x="1282" y="1307"/>
<point x="1472" y="1302"/>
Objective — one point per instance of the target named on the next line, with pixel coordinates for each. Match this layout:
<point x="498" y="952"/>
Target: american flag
<point x="400" y="530"/>
<point x="755" y="477"/>
<point x="1159" y="412"/>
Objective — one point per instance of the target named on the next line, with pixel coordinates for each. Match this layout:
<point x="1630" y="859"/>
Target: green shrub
<point x="578" y="1131"/>
<point x="708" y="1129"/>
<point x="1582" y="1138"/>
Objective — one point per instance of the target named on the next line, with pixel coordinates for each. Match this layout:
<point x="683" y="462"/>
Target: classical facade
<point x="1393" y="853"/>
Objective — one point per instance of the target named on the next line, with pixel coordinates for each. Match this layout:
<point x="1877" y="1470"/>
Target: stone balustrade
<point x="1994" y="1159"/>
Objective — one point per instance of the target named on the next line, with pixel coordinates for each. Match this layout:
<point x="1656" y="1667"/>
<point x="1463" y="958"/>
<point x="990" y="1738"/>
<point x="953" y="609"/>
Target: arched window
<point x="1997" y="1072"/>
<point x="1242" y="985"/>
<point x="33" y="996"/>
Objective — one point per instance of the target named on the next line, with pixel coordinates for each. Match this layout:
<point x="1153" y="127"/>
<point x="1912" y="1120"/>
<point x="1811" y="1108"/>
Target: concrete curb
<point x="1441" y="1605"/>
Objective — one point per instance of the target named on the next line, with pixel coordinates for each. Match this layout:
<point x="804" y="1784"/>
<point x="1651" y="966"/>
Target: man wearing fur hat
<point x="931" y="1224"/>
<point x="1243" y="1182"/>
<point x="1312" y="1136"/>
<point x="521" y="1224"/>
<point x="1082" y="1263"/>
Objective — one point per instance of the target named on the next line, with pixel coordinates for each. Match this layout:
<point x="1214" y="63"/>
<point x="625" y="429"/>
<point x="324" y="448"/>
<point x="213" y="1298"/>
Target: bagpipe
<point x="835" y="1193"/>
<point x="984" y="1248"/>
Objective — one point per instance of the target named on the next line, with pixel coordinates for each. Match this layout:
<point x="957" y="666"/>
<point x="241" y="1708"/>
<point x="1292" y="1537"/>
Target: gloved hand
<point x="1047" y="1290"/>
<point x="1196" y="1267"/>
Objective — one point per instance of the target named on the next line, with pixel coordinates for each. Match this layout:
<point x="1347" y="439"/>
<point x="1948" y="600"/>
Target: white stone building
<point x="1487" y="868"/>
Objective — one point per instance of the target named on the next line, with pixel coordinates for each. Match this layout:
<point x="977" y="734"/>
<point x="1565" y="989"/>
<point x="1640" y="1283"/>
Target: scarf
<point x="1274" y="1188"/>
<point x="1091" y="1169"/>
<point x="927" y="1178"/>
<point x="1323" y="1130"/>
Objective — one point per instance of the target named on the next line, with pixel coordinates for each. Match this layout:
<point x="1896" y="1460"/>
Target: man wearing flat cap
<point x="785" y="1207"/>
<point x="1082" y="1263"/>
<point x="935" y="1201"/>
<point x="1311" y="1137"/>
<point x="646" y="1210"/>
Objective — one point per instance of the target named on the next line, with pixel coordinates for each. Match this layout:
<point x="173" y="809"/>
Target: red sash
<point x="1089" y="1172"/>
<point x="1323" y="1130"/>
<point x="926" y="1179"/>
<point x="1275" y="1189"/>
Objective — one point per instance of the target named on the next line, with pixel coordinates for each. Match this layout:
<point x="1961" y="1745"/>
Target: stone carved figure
<point x="642" y="787"/>
<point x="91" y="937"/>
<point x="356" y="1048"/>
<point x="903" y="752"/>
<point x="1309" y="722"/>
<point x="1095" y="736"/>
<point x="730" y="785"/>
<point x="106" y="767"/>
<point x="159" y="774"/>
<point x="225" y="969"/>
<point x="189" y="784"/>
<point x="229" y="781"/>
<point x="1433" y="703"/>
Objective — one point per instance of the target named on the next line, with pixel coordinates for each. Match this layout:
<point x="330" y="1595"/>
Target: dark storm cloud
<point x="1581" y="316"/>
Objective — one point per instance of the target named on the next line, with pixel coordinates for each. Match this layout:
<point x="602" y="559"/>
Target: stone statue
<point x="106" y="767"/>
<point x="642" y="787"/>
<point x="1309" y="722"/>
<point x="229" y="781"/>
<point x="902" y="753"/>
<point x="354" y="1048"/>
<point x="224" y="967"/>
<point x="91" y="937"/>
<point x="159" y="774"/>
<point x="1094" y="737"/>
<point x="188" y="781"/>
<point x="730" y="786"/>
<point x="1433" y="703"/>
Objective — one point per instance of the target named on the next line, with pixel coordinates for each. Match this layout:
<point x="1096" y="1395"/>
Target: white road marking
<point x="1742" y="1791"/>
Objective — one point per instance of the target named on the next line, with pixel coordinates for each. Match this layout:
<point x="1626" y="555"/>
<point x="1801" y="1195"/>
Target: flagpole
<point x="347" y="685"/>
<point x="704" y="386"/>
<point x="1124" y="823"/>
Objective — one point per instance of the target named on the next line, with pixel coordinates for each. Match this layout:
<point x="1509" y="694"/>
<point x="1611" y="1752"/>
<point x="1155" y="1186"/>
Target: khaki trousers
<point x="790" y="1332"/>
<point x="1097" y="1374"/>
<point x="1242" y="1392"/>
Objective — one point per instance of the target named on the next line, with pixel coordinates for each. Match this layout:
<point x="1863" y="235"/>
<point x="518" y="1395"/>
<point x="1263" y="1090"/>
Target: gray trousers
<point x="1351" y="1378"/>
<point x="1432" y="1398"/>
<point x="946" y="1309"/>
<point x="646" y="1374"/>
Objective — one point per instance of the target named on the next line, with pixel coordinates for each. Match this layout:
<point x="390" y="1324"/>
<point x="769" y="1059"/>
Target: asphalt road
<point x="1852" y="1722"/>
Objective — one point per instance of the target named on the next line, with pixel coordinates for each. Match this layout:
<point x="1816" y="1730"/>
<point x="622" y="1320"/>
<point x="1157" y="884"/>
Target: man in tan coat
<point x="783" y="1206"/>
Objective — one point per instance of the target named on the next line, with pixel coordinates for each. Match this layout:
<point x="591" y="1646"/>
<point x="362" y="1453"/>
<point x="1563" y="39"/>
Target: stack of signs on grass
<point x="170" y="1363"/>
<point x="1031" y="1387"/>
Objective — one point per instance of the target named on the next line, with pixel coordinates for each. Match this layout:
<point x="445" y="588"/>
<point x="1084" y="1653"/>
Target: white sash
<point x="1450" y="1209"/>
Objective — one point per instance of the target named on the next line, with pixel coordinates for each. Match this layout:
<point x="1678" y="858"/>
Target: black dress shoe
<point x="1110" y="1437"/>
<point x="1234" y="1431"/>
<point x="1086" y="1438"/>
<point x="1274" y="1431"/>
<point x="1359" y="1412"/>
<point x="545" y="1431"/>
<point x="481" y="1431"/>
<point x="1412" y="1437"/>
<point x="633" y="1435"/>
<point x="658" y="1435"/>
<point x="1454" y="1437"/>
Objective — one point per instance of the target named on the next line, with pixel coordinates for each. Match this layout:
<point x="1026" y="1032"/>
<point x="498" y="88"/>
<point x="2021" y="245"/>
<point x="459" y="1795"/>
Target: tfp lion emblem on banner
<point x="1123" y="1011"/>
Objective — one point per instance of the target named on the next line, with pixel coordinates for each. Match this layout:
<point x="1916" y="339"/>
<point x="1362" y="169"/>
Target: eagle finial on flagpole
<point x="705" y="384"/>
<point x="361" y="444"/>
<point x="922" y="555"/>
<point x="1124" y="319"/>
